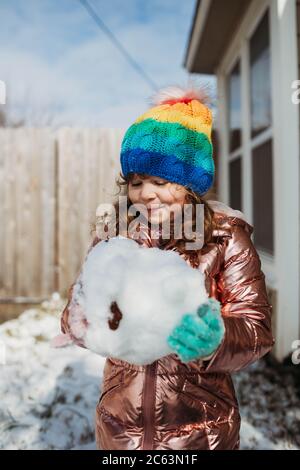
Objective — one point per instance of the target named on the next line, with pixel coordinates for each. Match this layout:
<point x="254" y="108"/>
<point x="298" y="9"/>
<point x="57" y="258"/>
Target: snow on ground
<point x="48" y="396"/>
<point x="269" y="406"/>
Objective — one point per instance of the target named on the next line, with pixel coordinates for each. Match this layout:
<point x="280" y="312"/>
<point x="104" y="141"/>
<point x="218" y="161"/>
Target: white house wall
<point x="282" y="271"/>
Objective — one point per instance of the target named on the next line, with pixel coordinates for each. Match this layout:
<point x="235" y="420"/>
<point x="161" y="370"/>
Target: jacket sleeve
<point x="64" y="324"/>
<point x="244" y="306"/>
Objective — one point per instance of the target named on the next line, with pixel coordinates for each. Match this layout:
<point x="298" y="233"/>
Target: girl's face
<point x="160" y="196"/>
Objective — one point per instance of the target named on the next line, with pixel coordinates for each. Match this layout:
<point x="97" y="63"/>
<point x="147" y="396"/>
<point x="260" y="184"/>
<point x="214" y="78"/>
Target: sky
<point x="61" y="69"/>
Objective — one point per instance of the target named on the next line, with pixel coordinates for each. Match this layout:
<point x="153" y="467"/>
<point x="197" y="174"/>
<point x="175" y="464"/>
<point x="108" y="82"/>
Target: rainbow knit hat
<point x="172" y="140"/>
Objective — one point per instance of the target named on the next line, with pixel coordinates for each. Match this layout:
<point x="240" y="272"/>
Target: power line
<point x="119" y="46"/>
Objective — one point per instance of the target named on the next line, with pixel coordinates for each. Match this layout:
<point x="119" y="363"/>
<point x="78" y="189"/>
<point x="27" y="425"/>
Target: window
<point x="260" y="77"/>
<point x="262" y="197"/>
<point x="262" y="155"/>
<point x="252" y="147"/>
<point x="234" y="94"/>
<point x="235" y="136"/>
<point x="235" y="180"/>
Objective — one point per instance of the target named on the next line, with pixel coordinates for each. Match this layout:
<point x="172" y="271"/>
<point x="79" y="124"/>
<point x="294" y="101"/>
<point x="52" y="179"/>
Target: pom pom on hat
<point x="178" y="94"/>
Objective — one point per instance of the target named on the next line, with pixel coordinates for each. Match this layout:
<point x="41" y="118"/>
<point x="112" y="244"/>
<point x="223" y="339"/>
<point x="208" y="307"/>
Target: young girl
<point x="166" y="161"/>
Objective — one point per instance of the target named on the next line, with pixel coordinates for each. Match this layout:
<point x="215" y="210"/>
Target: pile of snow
<point x="152" y="290"/>
<point x="48" y="396"/>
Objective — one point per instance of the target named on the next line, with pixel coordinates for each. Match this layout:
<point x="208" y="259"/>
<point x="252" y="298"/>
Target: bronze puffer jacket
<point x="171" y="405"/>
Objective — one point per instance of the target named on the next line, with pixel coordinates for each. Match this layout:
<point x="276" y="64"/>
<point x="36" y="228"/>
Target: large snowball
<point x="152" y="289"/>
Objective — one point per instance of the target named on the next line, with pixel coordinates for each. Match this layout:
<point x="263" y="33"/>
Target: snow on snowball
<point x="128" y="299"/>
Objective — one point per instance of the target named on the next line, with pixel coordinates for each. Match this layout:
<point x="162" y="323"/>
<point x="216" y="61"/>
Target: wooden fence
<point x="51" y="183"/>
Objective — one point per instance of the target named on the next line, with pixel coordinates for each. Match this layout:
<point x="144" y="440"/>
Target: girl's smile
<point x="160" y="197"/>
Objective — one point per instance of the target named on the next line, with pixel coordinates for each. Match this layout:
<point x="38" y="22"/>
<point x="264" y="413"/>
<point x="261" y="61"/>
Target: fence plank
<point x="8" y="222"/>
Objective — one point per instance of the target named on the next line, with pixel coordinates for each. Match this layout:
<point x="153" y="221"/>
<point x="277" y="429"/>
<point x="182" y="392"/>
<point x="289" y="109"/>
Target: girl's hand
<point x="77" y="325"/>
<point x="199" y="334"/>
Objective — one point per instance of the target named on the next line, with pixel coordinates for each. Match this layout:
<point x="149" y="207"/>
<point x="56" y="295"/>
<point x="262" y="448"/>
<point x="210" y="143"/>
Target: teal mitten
<point x="199" y="334"/>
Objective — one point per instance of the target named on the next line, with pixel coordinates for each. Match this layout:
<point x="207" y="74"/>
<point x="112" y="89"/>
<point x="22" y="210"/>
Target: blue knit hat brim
<point x="157" y="164"/>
